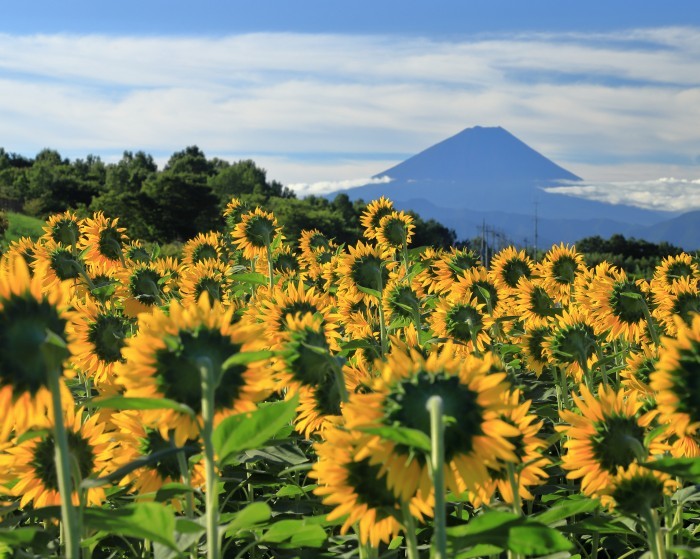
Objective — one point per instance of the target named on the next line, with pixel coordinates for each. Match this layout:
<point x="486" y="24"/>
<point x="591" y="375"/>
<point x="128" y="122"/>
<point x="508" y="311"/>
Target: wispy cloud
<point x="324" y="187"/>
<point x="667" y="194"/>
<point x="617" y="99"/>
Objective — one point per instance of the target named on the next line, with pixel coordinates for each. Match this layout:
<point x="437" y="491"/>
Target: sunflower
<point x="533" y="348"/>
<point x="24" y="247"/>
<point x="395" y="230"/>
<point x="676" y="380"/>
<point x="100" y="281"/>
<point x="102" y="240"/>
<point x="357" y="489"/>
<point x="606" y="436"/>
<point x="285" y="265"/>
<point x="681" y="299"/>
<point x="137" y="442"/>
<point x="255" y="233"/>
<point x="450" y="267"/>
<point x="637" y="490"/>
<point x="365" y="267"/>
<point x="619" y="308"/>
<point x="463" y="321"/>
<point x="401" y="301"/>
<point x="32" y="462"/>
<point x="312" y="240"/>
<point x="233" y="213"/>
<point x="373" y="214"/>
<point x="533" y="304"/>
<point x="205" y="246"/>
<point x="675" y="268"/>
<point x="304" y="358"/>
<point x="100" y="334"/>
<point x="142" y="288"/>
<point x="558" y="271"/>
<point x="206" y="276"/>
<point x="163" y="361"/>
<point x="135" y="252"/>
<point x="508" y="266"/>
<point x="528" y="450"/>
<point x="272" y="308"/>
<point x="63" y="228"/>
<point x="572" y="344"/>
<point x="57" y="263"/>
<point x="427" y="278"/>
<point x="476" y="284"/>
<point x="27" y="314"/>
<point x="475" y="436"/>
<point x="639" y="365"/>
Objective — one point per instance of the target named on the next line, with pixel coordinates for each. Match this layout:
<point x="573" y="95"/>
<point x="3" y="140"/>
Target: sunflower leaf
<point x="368" y="291"/>
<point x="150" y="521"/>
<point x="250" y="517"/>
<point x="566" y="508"/>
<point x="686" y="468"/>
<point x="413" y="438"/>
<point x="246" y="357"/>
<point x="295" y="533"/>
<point x="250" y="430"/>
<point x="250" y="277"/>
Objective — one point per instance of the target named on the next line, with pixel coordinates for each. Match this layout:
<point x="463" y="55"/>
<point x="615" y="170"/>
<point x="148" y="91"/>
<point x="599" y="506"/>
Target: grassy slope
<point x="23" y="226"/>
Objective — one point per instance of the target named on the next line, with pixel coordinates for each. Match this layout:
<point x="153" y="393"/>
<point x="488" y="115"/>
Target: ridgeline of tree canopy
<point x="186" y="197"/>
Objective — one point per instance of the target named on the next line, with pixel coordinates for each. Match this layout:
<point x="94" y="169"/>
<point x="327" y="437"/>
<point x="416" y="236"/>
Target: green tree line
<point x="186" y="197"/>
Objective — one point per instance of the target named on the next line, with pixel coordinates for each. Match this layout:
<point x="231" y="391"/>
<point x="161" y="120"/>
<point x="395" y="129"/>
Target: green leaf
<point x="368" y="291"/>
<point x="686" y="468"/>
<point x="566" y="508"/>
<point x="508" y="531"/>
<point x="124" y="403"/>
<point x="146" y="521"/>
<point x="401" y="435"/>
<point x="295" y="533"/>
<point x="246" y="357"/>
<point x="251" y="430"/>
<point x="685" y="552"/>
<point x="248" y="518"/>
<point x="171" y="490"/>
<point x="600" y="525"/>
<point x="18" y="536"/>
<point x="33" y="434"/>
<point x="250" y="277"/>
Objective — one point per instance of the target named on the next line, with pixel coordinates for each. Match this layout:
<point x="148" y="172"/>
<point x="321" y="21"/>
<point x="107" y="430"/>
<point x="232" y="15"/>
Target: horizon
<point x="323" y="98"/>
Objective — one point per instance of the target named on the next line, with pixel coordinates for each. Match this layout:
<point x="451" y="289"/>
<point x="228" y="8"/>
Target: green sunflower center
<point x="65" y="231"/>
<point x="404" y="302"/>
<point x="378" y="214"/>
<point x="370" y="490"/>
<point x="65" y="265"/>
<point x="617" y="442"/>
<point x="307" y="358"/>
<point x="685" y="304"/>
<point x="107" y="334"/>
<point x="295" y="308"/>
<point x="564" y="269"/>
<point x="638" y="494"/>
<point x="686" y="381"/>
<point x="368" y="272"/>
<point x="138" y="254"/>
<point x="678" y="270"/>
<point x="24" y="323"/>
<point x="541" y="303"/>
<point x="462" y="261"/>
<point x="286" y="264"/>
<point x="44" y="463"/>
<point x="178" y="373"/>
<point x="203" y="252"/>
<point x="627" y="302"/>
<point x="208" y="285"/>
<point x="143" y="285"/>
<point x="463" y="322"/>
<point x="110" y="243"/>
<point x="168" y="466"/>
<point x="535" y="343"/>
<point x="327" y="397"/>
<point x="259" y="231"/>
<point x="394" y="232"/>
<point x="513" y="270"/>
<point x="407" y="408"/>
<point x="485" y="293"/>
<point x="575" y="343"/>
<point x="317" y="241"/>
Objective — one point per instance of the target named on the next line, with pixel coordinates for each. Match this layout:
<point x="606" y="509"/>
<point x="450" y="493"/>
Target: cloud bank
<point x="310" y="103"/>
<point x="666" y="194"/>
<point x="324" y="187"/>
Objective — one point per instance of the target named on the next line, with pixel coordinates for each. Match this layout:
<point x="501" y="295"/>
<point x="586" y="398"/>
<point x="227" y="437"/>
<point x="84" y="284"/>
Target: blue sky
<point x="325" y="93"/>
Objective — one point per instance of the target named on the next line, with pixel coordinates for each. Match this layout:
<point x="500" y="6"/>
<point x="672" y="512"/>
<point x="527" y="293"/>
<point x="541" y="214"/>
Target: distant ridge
<point x="486" y="174"/>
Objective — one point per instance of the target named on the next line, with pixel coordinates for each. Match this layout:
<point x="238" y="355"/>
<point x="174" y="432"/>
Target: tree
<point x="190" y="160"/>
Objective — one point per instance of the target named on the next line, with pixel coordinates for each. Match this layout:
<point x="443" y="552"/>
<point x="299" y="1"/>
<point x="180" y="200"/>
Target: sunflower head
<point x="508" y="266"/>
<point x="675" y="268"/>
<point x="680" y="300"/>
<point x="572" y="343"/>
<point x="205" y="246"/>
<point x="256" y="232"/>
<point x="373" y="214"/>
<point x="637" y="490"/>
<point x="63" y="229"/>
<point x="102" y="239"/>
<point x="365" y="267"/>
<point x="395" y="230"/>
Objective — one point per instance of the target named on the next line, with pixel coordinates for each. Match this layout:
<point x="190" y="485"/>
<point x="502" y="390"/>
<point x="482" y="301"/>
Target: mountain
<point x="485" y="174"/>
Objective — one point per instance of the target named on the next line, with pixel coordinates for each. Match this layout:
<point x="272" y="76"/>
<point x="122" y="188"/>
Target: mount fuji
<point x="487" y="175"/>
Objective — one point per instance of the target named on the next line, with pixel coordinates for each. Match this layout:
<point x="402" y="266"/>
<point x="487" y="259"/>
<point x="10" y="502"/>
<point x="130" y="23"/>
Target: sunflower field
<point x="256" y="398"/>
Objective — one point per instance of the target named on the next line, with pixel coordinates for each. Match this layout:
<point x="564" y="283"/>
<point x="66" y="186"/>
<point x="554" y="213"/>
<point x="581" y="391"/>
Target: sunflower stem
<point x="437" y="461"/>
<point x="515" y="487"/>
<point x="339" y="379"/>
<point x="71" y="521"/>
<point x="650" y="324"/>
<point x="209" y="383"/>
<point x="409" y="527"/>
<point x="654" y="536"/>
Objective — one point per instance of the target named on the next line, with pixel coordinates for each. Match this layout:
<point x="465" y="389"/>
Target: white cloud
<point x="324" y="187"/>
<point x="667" y="194"/>
<point x="322" y="108"/>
